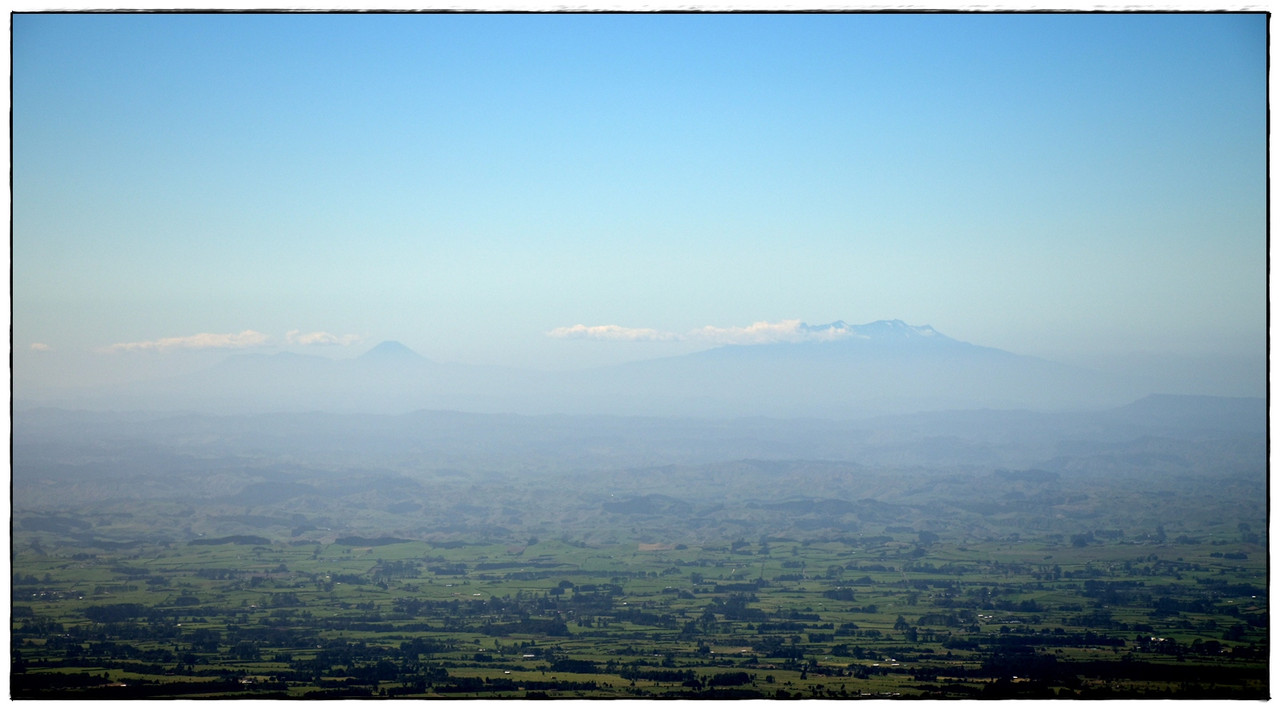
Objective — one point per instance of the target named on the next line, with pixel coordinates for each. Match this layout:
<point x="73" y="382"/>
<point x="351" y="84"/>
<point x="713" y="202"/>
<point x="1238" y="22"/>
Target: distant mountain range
<point x="881" y="367"/>
<point x="838" y="371"/>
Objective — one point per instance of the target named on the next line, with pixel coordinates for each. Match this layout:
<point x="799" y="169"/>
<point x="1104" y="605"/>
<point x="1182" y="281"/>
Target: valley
<point x="1117" y="554"/>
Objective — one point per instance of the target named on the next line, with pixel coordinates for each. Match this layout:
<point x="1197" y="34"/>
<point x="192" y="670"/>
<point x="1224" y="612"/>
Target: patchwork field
<point x="263" y="575"/>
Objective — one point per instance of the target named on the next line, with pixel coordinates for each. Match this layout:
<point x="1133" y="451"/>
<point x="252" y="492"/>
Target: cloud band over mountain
<point x="610" y="332"/>
<point x="225" y="341"/>
<point x="297" y="337"/>
<point x="760" y="332"/>
<point x="199" y="341"/>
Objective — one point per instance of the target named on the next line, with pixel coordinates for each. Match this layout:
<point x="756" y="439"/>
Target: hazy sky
<point x="1057" y="185"/>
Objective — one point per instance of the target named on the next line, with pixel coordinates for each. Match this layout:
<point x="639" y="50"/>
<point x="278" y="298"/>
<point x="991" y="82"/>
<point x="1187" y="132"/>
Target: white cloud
<point x="610" y="332"/>
<point x="199" y="341"/>
<point x="760" y="332"/>
<point x="40" y="347"/>
<point x="297" y="337"/>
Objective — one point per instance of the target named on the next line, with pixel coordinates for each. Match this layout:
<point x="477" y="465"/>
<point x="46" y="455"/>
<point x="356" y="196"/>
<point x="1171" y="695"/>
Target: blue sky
<point x="1069" y="186"/>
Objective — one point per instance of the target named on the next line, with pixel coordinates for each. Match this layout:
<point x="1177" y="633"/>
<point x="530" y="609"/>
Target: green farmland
<point x="264" y="577"/>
